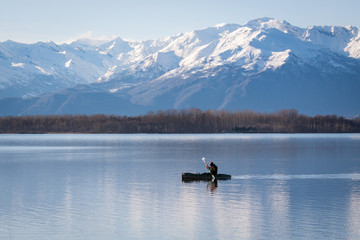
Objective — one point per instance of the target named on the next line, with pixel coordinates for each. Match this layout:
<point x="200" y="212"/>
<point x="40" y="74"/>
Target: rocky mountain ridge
<point x="315" y="70"/>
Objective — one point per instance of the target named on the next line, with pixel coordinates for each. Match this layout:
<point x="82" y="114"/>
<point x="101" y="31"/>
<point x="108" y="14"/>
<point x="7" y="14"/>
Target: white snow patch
<point x="277" y="59"/>
<point x="353" y="47"/>
<point x="110" y="71"/>
<point x="112" y="46"/>
<point x="17" y="65"/>
<point x="114" y="90"/>
<point x="120" y="56"/>
<point x="63" y="52"/>
<point x="102" y="52"/>
<point x="262" y="38"/>
<point x="220" y="25"/>
<point x="107" y="50"/>
<point x="67" y="64"/>
<point x="167" y="59"/>
<point x="41" y="70"/>
<point x="107" y="75"/>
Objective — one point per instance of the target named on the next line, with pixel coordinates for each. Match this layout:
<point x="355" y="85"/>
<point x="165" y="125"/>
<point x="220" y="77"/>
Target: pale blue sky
<point x="61" y="20"/>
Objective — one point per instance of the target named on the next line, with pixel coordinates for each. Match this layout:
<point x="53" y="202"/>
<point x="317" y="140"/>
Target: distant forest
<point x="183" y="121"/>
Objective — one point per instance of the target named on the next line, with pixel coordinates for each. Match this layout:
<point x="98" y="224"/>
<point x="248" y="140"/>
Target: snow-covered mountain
<point x="264" y="65"/>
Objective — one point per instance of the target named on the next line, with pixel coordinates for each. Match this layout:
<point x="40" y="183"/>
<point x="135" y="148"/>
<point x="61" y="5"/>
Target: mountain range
<point x="264" y="65"/>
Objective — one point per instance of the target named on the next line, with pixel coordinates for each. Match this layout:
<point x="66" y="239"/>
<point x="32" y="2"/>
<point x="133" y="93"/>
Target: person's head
<point x="211" y="164"/>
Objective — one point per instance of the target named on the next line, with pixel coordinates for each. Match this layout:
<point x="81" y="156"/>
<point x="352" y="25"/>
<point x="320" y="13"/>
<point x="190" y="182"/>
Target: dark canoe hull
<point x="203" y="177"/>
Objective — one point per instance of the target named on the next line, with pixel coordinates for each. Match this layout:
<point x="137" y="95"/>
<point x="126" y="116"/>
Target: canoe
<point x="203" y="177"/>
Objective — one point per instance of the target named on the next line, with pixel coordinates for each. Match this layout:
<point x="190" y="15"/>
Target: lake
<point x="283" y="186"/>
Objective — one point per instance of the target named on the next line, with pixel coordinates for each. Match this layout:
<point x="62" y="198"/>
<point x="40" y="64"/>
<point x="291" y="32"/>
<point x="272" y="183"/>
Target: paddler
<point x="212" y="168"/>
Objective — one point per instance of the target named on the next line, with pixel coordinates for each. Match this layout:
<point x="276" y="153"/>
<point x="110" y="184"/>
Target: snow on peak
<point x="263" y="43"/>
<point x="269" y="23"/>
<point x="264" y="22"/>
<point x="353" y="48"/>
<point x="337" y="39"/>
<point x="114" y="47"/>
<point x="168" y="59"/>
<point x="90" y="42"/>
<point x="67" y="64"/>
<point x="220" y="25"/>
<point x="277" y="59"/>
<point x="227" y="26"/>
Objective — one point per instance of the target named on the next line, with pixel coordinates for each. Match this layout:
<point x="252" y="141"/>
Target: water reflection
<point x="68" y="216"/>
<point x="233" y="217"/>
<point x="212" y="185"/>
<point x="279" y="205"/>
<point x="283" y="187"/>
<point x="354" y="212"/>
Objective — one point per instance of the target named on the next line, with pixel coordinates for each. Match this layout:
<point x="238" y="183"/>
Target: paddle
<point x="204" y="160"/>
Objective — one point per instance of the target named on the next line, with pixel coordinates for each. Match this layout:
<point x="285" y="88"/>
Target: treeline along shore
<point x="183" y="121"/>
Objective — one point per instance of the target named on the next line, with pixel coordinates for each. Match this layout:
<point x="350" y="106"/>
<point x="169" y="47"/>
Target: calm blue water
<point x="284" y="186"/>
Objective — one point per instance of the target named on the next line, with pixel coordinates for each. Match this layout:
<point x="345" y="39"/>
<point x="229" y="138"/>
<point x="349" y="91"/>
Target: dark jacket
<point x="213" y="169"/>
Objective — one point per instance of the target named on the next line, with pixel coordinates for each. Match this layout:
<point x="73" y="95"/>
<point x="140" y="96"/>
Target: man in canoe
<point x="212" y="168"/>
<point x="213" y="173"/>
